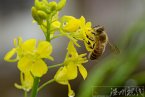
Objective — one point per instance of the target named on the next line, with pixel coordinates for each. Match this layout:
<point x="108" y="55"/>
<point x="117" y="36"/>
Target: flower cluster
<point x="30" y="54"/>
<point x="69" y="71"/>
<point x="30" y="58"/>
<point x="46" y="15"/>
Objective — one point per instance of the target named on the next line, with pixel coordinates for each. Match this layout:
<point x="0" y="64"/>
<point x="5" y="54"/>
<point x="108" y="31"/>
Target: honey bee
<point x="101" y="40"/>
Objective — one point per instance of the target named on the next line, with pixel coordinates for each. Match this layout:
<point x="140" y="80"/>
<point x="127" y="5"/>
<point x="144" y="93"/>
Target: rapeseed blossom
<point x="72" y="63"/>
<point x="77" y="29"/>
<point x="30" y="56"/>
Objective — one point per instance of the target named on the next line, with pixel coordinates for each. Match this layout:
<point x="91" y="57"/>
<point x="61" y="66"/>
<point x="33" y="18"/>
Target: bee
<point x="101" y="40"/>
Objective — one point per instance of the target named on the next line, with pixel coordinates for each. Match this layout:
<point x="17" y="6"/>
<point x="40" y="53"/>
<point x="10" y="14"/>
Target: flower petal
<point x="88" y="24"/>
<point x="25" y="64"/>
<point x="83" y="71"/>
<point x="44" y="49"/>
<point x="71" y="24"/>
<point x="71" y="71"/>
<point x="61" y="76"/>
<point x="9" y="55"/>
<point x="39" y="68"/>
<point x="71" y="50"/>
<point x="29" y="45"/>
<point x="82" y="19"/>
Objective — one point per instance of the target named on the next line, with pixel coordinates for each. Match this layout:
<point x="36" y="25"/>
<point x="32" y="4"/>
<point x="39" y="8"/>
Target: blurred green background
<point x="124" y="21"/>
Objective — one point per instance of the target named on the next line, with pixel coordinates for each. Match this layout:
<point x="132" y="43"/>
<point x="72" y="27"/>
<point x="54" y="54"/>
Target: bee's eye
<point x="100" y="30"/>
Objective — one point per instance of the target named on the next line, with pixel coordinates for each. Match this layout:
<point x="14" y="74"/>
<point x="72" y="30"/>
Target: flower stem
<point x="48" y="28"/>
<point x="25" y="93"/>
<point x="46" y="83"/>
<point x="35" y="86"/>
<point x="54" y="66"/>
<point x="59" y="35"/>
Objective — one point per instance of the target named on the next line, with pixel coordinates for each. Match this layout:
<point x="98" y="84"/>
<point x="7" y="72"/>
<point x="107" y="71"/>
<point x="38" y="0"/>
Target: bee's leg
<point x="89" y="45"/>
<point x="89" y="55"/>
<point x="94" y="45"/>
<point x="94" y="33"/>
<point x="90" y="38"/>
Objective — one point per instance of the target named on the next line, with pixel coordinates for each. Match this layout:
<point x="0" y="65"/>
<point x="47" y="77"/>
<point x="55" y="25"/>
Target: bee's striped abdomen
<point x="97" y="51"/>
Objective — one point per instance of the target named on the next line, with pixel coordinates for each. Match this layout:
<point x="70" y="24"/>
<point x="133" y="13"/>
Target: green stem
<point x="25" y="93"/>
<point x="46" y="83"/>
<point x="35" y="86"/>
<point x="56" y="36"/>
<point x="54" y="66"/>
<point x="43" y="30"/>
<point x="48" y="30"/>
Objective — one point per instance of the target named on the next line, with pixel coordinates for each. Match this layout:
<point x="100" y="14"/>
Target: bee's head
<point x="98" y="29"/>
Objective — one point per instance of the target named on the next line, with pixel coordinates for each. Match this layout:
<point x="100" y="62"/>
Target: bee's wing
<point x="113" y="48"/>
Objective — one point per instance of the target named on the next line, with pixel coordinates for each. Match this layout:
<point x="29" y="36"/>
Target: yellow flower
<point x="75" y="60"/>
<point x="26" y="81"/>
<point x="30" y="57"/>
<point x="86" y="31"/>
<point x="78" y="29"/>
<point x="70" y="23"/>
<point x="69" y="70"/>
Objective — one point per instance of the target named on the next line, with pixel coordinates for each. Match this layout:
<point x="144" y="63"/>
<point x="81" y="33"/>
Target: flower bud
<point x="42" y="14"/>
<point x="52" y="5"/>
<point x="38" y="4"/>
<point x="61" y="4"/>
<point x="35" y="15"/>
